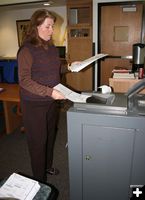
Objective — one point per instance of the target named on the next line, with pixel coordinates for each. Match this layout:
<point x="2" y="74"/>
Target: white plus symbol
<point x="137" y="192"/>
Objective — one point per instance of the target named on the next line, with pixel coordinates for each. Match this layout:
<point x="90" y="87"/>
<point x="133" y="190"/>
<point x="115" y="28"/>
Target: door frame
<point x="129" y="3"/>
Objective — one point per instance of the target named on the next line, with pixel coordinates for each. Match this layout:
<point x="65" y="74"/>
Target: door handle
<point x="121" y="57"/>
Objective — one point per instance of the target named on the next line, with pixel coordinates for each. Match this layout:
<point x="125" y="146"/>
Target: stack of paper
<point x="19" y="187"/>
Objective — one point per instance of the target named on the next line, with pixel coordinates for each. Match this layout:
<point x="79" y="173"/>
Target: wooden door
<point x="121" y="27"/>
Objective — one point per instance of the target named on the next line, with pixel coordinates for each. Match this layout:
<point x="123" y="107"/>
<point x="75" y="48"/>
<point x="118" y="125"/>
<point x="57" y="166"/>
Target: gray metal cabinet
<point x="106" y="154"/>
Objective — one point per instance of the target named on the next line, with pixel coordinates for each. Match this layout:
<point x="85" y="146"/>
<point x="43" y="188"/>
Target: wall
<point x="8" y="29"/>
<point x="95" y="30"/>
<point x="16" y="1"/>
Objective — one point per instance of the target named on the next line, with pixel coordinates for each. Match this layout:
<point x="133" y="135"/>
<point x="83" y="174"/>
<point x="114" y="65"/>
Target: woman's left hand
<point x="57" y="95"/>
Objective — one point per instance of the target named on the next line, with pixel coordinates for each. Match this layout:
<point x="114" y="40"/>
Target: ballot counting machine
<point x="133" y="102"/>
<point x="107" y="145"/>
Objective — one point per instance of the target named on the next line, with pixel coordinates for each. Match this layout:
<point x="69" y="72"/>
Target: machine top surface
<point x="108" y="104"/>
<point x="131" y="103"/>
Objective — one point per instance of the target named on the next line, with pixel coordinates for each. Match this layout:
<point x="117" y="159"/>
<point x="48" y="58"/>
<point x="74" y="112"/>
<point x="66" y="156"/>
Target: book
<point x="19" y="187"/>
<point x="81" y="65"/>
<point x="124" y="75"/>
<point x="121" y="71"/>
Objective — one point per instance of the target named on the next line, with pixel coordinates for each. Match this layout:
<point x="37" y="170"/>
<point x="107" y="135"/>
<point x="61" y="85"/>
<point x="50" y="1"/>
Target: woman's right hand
<point x="73" y="63"/>
<point x="57" y="95"/>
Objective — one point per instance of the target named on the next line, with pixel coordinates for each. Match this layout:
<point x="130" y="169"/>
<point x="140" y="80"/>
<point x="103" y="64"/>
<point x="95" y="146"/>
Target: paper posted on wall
<point x="19" y="187"/>
<point x="81" y="65"/>
<point x="72" y="96"/>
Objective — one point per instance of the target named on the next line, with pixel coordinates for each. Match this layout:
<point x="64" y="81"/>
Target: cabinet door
<point x="80" y="49"/>
<point x="107" y="159"/>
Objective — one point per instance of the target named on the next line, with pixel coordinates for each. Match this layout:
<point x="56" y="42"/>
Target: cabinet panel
<point x="81" y="81"/>
<point x="107" y="157"/>
<point x="79" y="42"/>
<point x="80" y="50"/>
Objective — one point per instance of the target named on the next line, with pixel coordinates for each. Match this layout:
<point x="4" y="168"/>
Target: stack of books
<point x="123" y="73"/>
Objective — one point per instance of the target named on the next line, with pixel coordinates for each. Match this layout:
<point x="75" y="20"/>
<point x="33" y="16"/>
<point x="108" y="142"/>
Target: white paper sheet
<point x="69" y="94"/>
<point x="83" y="64"/>
<point x="19" y="187"/>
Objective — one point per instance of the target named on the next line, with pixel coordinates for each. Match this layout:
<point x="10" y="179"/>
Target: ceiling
<point x="23" y="4"/>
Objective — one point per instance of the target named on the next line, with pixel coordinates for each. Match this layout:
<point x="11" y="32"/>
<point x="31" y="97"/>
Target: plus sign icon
<point x="137" y="192"/>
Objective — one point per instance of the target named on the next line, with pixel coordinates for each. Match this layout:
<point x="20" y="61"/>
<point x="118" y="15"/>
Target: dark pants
<point x="40" y="121"/>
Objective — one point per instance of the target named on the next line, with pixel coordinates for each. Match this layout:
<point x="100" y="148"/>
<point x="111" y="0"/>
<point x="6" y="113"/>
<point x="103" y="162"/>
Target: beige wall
<point x="15" y="1"/>
<point x="8" y="29"/>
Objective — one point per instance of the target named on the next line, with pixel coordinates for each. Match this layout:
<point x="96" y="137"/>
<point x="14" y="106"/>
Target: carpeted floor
<point x="14" y="157"/>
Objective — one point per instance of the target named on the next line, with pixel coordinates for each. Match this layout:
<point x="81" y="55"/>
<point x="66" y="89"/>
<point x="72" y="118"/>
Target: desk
<point x="10" y="98"/>
<point x="122" y="85"/>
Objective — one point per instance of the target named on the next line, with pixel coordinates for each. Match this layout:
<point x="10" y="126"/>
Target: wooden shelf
<point x="84" y="32"/>
<point x="79" y="15"/>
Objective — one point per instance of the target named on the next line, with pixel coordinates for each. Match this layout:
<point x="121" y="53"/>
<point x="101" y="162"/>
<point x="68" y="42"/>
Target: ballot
<point x="19" y="187"/>
<point x="71" y="95"/>
<point x="76" y="67"/>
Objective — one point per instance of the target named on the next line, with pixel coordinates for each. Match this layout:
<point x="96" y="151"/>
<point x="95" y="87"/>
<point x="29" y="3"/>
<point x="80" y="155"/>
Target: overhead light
<point x="48" y="3"/>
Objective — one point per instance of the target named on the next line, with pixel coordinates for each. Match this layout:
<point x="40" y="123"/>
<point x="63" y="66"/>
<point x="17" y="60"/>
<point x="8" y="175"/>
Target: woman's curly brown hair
<point x="32" y="33"/>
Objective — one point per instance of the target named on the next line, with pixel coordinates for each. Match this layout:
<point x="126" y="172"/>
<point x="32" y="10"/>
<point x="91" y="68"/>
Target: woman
<point x="39" y="72"/>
